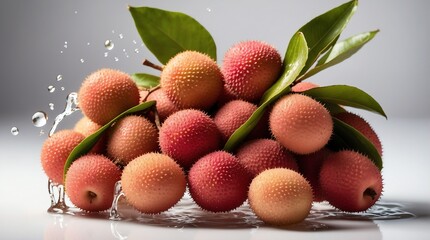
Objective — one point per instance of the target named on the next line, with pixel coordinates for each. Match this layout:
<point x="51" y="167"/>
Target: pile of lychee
<point x="283" y="166"/>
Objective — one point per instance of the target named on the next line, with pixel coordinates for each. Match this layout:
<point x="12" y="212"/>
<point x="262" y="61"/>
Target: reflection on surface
<point x="323" y="223"/>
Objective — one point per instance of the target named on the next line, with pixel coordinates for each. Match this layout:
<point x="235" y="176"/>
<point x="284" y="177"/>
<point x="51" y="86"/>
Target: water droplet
<point x="121" y="36"/>
<point x="116" y="59"/>
<point x="59" y="77"/>
<point x="61" y="51"/>
<point x="123" y="50"/>
<point x="106" y="54"/>
<point x="62" y="88"/>
<point x="65" y="46"/>
<point x="51" y="88"/>
<point x="71" y="107"/>
<point x="41" y="132"/>
<point x="14" y="131"/>
<point x="134" y="41"/>
<point x="88" y="44"/>
<point x="109" y="45"/>
<point x="76" y="12"/>
<point x="208" y="9"/>
<point x="113" y="31"/>
<point x="51" y="106"/>
<point x="39" y="119"/>
<point x="82" y="60"/>
<point x="136" y="50"/>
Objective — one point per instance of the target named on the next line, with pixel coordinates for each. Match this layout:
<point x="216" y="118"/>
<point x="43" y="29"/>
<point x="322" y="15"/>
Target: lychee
<point x="153" y="183"/>
<point x="300" y="123"/>
<point x="90" y="182"/>
<point x="250" y="68"/>
<point x="192" y="80"/>
<point x="187" y="135"/>
<point x="131" y="137"/>
<point x="303" y="86"/>
<point x="310" y="166"/>
<point x="218" y="182"/>
<point x="165" y="106"/>
<point x="232" y="115"/>
<point x="350" y="181"/>
<point x="56" y="150"/>
<point x="262" y="154"/>
<point x="106" y="93"/>
<point x="362" y="126"/>
<point x="280" y="196"/>
<point x="88" y="127"/>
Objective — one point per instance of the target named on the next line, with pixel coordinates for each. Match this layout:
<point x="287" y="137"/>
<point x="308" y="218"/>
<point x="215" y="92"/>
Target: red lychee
<point x="218" y="182"/>
<point x="250" y="68"/>
<point x="262" y="154"/>
<point x="90" y="182"/>
<point x="187" y="135"/>
<point x="350" y="181"/>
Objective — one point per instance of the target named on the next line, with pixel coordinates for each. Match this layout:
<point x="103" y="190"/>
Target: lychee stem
<point x="91" y="196"/>
<point x="370" y="192"/>
<point x="148" y="63"/>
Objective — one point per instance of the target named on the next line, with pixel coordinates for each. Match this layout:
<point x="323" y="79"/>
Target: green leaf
<point x="346" y="136"/>
<point x="322" y="31"/>
<point x="347" y="96"/>
<point x="88" y="143"/>
<point x="341" y="51"/>
<point x="144" y="80"/>
<point x="295" y="59"/>
<point x="167" y="33"/>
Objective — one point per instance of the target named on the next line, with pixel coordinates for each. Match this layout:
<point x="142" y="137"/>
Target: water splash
<point x="71" y="107"/>
<point x="59" y="77"/>
<point x="39" y="119"/>
<point x="82" y="60"/>
<point x="14" y="131"/>
<point x="51" y="106"/>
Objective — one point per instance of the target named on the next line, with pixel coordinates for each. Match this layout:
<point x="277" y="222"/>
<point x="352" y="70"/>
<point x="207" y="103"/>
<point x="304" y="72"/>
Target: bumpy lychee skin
<point x="362" y="126"/>
<point x="218" y="182"/>
<point x="90" y="182"/>
<point x="280" y="196"/>
<point x="232" y="115"/>
<point x="192" y="80"/>
<point x="300" y="123"/>
<point x="310" y="166"/>
<point x="350" y="181"/>
<point x="88" y="127"/>
<point x="165" y="106"/>
<point x="188" y="135"/>
<point x="106" y="93"/>
<point x="250" y="68"/>
<point x="56" y="150"/>
<point x="262" y="154"/>
<point x="131" y="137"/>
<point x="303" y="86"/>
<point x="153" y="183"/>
